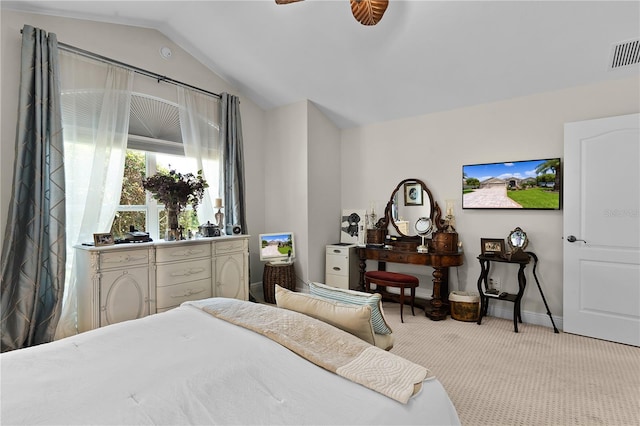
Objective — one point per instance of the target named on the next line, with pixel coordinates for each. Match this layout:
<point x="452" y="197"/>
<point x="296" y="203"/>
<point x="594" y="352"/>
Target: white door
<point x="601" y="278"/>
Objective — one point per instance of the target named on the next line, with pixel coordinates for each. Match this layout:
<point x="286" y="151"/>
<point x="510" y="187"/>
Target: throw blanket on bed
<point x="324" y="345"/>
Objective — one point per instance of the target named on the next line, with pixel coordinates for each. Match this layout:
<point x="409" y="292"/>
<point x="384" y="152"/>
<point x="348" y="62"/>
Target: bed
<point x="194" y="365"/>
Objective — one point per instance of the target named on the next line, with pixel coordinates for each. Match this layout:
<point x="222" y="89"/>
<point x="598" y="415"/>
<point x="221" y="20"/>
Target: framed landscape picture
<point x="524" y="185"/>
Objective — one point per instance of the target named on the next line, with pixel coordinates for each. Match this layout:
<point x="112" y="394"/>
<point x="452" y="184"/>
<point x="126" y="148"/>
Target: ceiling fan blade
<point x="286" y="1"/>
<point x="368" y="12"/>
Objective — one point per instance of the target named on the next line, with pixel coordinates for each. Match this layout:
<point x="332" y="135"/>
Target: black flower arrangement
<point x="176" y="190"/>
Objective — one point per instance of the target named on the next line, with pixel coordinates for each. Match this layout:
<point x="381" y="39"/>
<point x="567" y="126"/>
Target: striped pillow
<point x="374" y="300"/>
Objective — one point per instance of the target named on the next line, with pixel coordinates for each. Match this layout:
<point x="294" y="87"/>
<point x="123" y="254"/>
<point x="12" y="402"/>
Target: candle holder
<point x="450" y="219"/>
<point x="219" y="216"/>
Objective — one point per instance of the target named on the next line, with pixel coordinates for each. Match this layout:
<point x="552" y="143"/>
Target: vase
<point x="173" y="229"/>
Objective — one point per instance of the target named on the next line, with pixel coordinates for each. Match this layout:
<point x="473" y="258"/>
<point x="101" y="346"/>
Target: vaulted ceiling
<point x="422" y="57"/>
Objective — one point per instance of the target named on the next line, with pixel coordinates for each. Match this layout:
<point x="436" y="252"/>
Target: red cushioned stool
<point x="393" y="279"/>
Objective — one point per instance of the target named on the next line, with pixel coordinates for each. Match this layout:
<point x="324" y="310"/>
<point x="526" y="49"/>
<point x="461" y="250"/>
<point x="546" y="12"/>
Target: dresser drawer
<point x="230" y="246"/>
<point x="335" y="250"/>
<point x="340" y="281"/>
<point x="181" y="272"/>
<point x="392" y="256"/>
<point x="124" y="258"/>
<point x="182" y="252"/>
<point x="174" y="295"/>
<point x="337" y="265"/>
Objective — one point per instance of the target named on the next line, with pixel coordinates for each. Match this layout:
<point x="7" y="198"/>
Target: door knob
<point x="573" y="239"/>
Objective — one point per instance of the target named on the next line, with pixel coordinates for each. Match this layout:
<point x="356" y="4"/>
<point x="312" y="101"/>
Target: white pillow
<point x="350" y="318"/>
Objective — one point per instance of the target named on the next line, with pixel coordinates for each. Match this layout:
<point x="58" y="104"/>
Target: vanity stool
<point x="393" y="279"/>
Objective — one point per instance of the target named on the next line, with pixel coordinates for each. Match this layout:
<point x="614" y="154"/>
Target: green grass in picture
<point x="536" y="198"/>
<point x="284" y="249"/>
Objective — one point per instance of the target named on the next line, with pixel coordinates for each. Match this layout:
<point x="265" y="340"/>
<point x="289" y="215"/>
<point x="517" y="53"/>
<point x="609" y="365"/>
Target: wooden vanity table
<point x="438" y="307"/>
<point x="401" y="216"/>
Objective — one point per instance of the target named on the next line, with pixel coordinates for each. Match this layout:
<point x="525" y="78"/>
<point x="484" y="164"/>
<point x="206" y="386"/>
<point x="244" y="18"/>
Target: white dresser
<point x="341" y="267"/>
<point x="128" y="281"/>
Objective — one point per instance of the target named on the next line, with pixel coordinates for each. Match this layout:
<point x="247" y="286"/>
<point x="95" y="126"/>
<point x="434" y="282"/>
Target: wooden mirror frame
<point x="439" y="224"/>
<point x="519" y="234"/>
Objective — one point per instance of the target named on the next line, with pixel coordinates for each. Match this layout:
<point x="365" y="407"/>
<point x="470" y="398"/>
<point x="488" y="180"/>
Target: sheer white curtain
<point x="199" y="116"/>
<point x="96" y="99"/>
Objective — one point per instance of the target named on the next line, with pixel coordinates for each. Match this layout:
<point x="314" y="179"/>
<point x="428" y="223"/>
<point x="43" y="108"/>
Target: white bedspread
<point x="185" y="366"/>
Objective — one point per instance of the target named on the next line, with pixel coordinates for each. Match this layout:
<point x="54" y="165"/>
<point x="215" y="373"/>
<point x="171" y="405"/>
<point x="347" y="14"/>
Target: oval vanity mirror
<point x="409" y="202"/>
<point x="517" y="240"/>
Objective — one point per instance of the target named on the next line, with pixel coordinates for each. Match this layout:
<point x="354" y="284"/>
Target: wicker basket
<point x="282" y="274"/>
<point x="464" y="306"/>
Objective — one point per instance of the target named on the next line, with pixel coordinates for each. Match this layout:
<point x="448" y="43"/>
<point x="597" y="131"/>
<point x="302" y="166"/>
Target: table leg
<point x="401" y="304"/>
<point x="413" y="298"/>
<point x="363" y="268"/>
<point x="522" y="283"/>
<point x="484" y="300"/>
<point x="438" y="309"/>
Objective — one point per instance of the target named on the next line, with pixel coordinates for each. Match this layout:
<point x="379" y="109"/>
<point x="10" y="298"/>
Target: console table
<point x="485" y="265"/>
<point x="438" y="308"/>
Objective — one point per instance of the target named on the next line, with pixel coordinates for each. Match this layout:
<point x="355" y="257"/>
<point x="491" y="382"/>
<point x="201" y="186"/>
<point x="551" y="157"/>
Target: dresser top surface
<point x="130" y="246"/>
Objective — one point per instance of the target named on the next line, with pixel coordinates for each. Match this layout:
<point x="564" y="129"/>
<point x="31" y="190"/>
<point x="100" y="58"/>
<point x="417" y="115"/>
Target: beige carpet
<point x="535" y="377"/>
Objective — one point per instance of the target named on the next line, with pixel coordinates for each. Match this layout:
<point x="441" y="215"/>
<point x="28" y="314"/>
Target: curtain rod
<point x="158" y="77"/>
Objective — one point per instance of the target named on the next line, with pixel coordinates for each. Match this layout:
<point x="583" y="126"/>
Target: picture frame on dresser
<point x="103" y="239"/>
<point x="492" y="246"/>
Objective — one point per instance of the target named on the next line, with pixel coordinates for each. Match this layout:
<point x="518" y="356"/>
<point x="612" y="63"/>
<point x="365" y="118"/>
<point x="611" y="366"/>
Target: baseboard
<point x="528" y="317"/>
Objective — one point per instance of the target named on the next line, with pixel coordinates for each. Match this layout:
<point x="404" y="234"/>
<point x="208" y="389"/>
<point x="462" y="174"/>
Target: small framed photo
<point x="412" y="194"/>
<point x="103" y="239"/>
<point x="492" y="246"/>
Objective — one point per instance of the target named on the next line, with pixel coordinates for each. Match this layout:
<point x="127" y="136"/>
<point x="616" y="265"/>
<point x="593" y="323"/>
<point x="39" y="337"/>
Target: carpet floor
<point x="495" y="376"/>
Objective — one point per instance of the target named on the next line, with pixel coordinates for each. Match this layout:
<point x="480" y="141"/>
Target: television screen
<point x="530" y="185"/>
<point x="277" y="247"/>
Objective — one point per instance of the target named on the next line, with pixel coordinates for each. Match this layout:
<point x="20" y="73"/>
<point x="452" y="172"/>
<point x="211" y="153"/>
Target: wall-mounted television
<point x="277" y="247"/>
<point x="528" y="185"/>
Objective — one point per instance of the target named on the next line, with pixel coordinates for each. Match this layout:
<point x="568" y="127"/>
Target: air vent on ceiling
<point x="625" y="53"/>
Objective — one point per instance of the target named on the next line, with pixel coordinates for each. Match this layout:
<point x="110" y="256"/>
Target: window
<point x="155" y="143"/>
<point x="137" y="207"/>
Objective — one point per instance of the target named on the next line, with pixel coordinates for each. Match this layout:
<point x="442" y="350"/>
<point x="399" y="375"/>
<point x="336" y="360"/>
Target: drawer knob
<point x="336" y="268"/>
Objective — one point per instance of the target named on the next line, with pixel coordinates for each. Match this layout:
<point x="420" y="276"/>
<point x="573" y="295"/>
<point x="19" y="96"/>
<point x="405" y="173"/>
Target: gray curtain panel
<point x="34" y="246"/>
<point x="233" y="157"/>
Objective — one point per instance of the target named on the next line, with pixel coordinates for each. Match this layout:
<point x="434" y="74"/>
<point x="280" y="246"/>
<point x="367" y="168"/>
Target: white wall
<point x="302" y="180"/>
<point x="434" y="147"/>
<point x="324" y="189"/>
<point x="285" y="178"/>
<point x="138" y="47"/>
